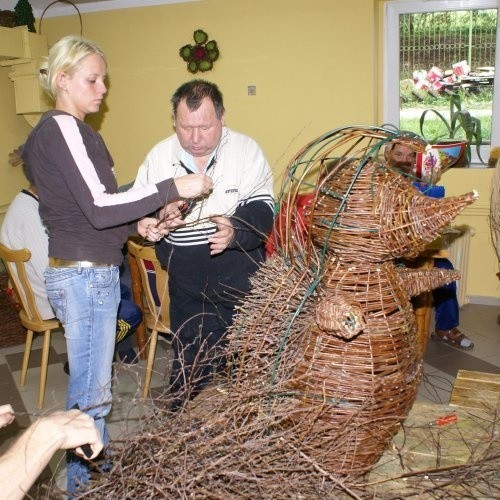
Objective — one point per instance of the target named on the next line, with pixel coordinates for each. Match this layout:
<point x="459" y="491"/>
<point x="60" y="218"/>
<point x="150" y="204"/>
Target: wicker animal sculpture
<point x="328" y="332"/>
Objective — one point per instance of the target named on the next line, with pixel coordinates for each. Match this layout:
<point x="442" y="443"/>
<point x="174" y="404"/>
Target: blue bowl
<point x="432" y="191"/>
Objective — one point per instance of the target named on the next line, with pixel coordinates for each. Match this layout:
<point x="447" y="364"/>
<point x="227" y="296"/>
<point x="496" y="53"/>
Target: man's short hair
<point x="194" y="92"/>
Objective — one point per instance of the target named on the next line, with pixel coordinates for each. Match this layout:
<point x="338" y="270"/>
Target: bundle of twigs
<point x="234" y="444"/>
<point x="230" y="445"/>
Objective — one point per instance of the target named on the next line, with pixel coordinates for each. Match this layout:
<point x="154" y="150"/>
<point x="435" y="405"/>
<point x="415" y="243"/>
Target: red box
<point x="435" y="74"/>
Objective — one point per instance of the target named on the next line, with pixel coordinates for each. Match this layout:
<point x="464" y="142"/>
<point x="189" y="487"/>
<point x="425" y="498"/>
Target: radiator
<point x="458" y="246"/>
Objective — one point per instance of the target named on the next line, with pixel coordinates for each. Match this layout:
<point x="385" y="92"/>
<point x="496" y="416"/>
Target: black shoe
<point x="66" y="367"/>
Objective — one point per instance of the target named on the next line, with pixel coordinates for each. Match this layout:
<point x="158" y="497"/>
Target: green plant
<point x="460" y="126"/>
<point x="24" y="15"/>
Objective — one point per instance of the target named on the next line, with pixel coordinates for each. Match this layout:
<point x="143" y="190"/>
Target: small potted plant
<point x="461" y="127"/>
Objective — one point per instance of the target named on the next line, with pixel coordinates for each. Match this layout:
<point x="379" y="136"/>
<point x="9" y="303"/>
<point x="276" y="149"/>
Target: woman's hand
<point x="150" y="229"/>
<point x="193" y="185"/>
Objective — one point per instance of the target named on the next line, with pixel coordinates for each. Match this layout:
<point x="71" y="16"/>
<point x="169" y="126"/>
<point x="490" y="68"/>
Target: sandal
<point x="453" y="337"/>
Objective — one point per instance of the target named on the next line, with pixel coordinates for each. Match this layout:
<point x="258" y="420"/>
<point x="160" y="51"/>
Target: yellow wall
<point x="13" y="130"/>
<point x="311" y="61"/>
<point x="314" y="63"/>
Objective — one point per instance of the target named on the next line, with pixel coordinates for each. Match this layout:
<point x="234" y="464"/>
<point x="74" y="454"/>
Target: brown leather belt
<point x="56" y="262"/>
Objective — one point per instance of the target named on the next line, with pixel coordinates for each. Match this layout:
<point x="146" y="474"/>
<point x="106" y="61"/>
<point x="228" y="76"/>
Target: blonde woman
<point x="88" y="222"/>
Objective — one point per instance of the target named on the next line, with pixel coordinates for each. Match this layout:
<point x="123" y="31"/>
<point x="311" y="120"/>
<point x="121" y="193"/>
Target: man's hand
<point x="223" y="236"/>
<point x="70" y="430"/>
<point x="6" y="415"/>
<point x="171" y="216"/>
<point x="26" y="458"/>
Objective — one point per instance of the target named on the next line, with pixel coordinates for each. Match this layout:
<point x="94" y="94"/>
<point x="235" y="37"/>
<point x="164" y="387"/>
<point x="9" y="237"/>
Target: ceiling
<point x="63" y="7"/>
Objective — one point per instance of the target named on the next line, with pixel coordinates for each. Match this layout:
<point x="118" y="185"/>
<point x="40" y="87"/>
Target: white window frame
<point x="392" y="10"/>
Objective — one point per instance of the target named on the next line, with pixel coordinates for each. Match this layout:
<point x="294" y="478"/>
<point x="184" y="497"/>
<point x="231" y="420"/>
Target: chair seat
<point x="154" y="323"/>
<point x="29" y="315"/>
<point x="47" y="324"/>
<point x="152" y="288"/>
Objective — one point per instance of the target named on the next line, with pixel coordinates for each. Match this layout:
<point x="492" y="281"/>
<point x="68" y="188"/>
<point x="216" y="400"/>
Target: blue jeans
<point x="86" y="301"/>
<point x="447" y="315"/>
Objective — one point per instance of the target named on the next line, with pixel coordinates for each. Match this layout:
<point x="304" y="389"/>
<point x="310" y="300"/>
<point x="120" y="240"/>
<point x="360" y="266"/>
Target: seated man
<point x="23" y="228"/>
<point x="446" y="310"/>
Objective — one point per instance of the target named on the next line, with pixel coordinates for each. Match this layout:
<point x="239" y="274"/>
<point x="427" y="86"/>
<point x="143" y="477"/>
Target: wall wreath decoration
<point x="202" y="55"/>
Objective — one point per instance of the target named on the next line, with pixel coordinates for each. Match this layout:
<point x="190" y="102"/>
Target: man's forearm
<point x="25" y="460"/>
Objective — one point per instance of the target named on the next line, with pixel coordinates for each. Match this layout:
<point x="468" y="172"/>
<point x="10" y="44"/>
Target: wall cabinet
<point x="24" y="51"/>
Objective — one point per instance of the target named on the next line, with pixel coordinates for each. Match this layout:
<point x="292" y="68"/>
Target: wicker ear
<point x="340" y="316"/>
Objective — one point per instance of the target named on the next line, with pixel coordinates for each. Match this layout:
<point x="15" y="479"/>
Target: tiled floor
<point x="442" y="362"/>
<point x="441" y="365"/>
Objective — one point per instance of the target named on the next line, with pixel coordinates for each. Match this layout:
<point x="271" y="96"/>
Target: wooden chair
<point x="423" y="303"/>
<point x="154" y="281"/>
<point x="29" y="315"/>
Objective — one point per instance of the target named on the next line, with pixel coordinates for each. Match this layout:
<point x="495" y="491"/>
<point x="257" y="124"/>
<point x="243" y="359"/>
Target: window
<point x="401" y="18"/>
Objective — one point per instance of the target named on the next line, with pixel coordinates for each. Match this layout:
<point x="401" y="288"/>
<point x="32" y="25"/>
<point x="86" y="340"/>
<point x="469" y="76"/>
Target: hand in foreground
<point x="26" y="458"/>
<point x="193" y="185"/>
<point x="70" y="430"/>
<point x="171" y="216"/>
<point x="6" y="415"/>
<point x="223" y="236"/>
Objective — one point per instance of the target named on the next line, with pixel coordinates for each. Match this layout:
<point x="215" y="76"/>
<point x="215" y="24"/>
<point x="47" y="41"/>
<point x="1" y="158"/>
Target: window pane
<point x="439" y="70"/>
<point x="444" y="54"/>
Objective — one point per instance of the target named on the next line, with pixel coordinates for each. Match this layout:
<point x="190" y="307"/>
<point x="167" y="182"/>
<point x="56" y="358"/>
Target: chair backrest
<point x="154" y="280"/>
<point x="14" y="261"/>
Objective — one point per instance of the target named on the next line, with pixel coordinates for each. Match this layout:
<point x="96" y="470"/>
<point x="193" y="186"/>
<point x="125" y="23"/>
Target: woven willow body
<point x="328" y="333"/>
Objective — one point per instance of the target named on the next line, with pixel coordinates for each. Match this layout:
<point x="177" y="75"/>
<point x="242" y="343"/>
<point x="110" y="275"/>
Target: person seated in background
<point x="23" y="228"/>
<point x="446" y="308"/>
<point x="26" y="458"/>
